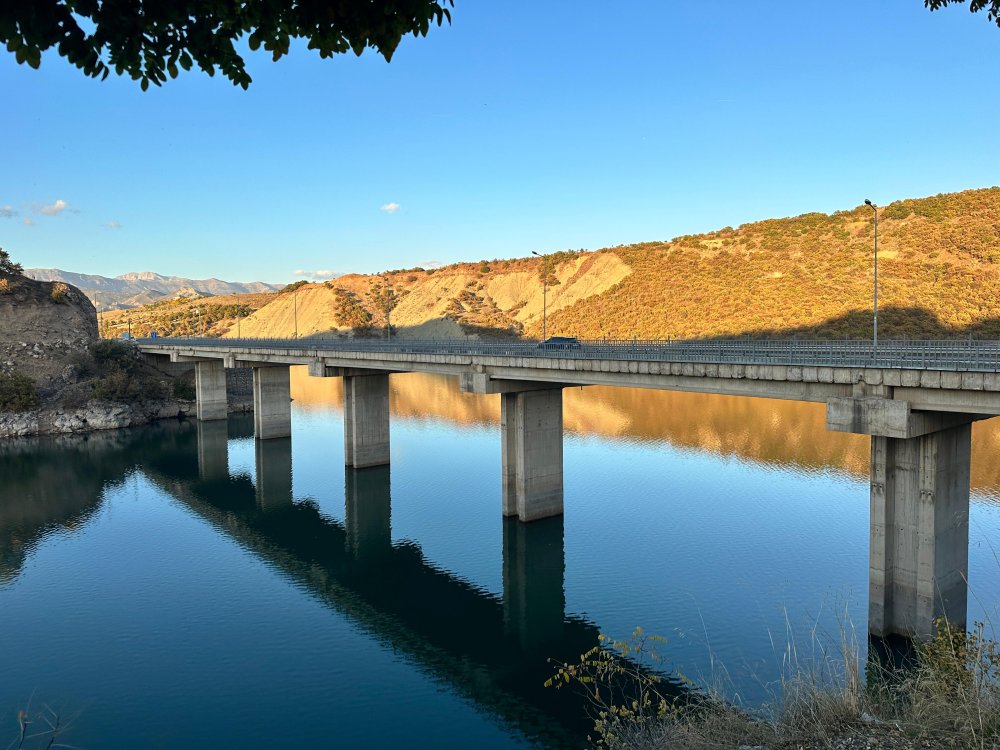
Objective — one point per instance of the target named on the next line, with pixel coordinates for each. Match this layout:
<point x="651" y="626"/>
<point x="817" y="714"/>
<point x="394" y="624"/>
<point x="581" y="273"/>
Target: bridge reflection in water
<point x="496" y="650"/>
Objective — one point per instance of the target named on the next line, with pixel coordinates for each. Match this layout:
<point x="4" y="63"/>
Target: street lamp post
<point x="388" y="310"/>
<point x="389" y="297"/>
<point x="874" y="209"/>
<point x="545" y="289"/>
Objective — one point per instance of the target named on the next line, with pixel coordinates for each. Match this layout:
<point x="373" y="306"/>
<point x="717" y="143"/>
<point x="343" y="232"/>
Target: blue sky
<point x="520" y="127"/>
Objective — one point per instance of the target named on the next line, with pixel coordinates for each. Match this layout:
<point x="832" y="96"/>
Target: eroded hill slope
<point x="808" y="276"/>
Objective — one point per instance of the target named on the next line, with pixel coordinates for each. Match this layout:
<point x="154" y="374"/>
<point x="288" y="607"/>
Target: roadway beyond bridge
<point x="916" y="399"/>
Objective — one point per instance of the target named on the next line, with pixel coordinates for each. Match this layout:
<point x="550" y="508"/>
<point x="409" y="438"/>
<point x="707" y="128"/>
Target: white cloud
<point x="28" y="221"/>
<point x="431" y="264"/>
<point x="52" y="209"/>
<point x="390" y="208"/>
<point x="114" y="225"/>
<point x="322" y="273"/>
<point x="7" y="212"/>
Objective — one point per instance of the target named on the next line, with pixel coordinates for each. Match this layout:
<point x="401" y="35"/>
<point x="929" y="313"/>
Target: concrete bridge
<point x="916" y="399"/>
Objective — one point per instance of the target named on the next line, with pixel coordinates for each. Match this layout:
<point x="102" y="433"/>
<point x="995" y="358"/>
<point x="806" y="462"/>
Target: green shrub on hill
<point x="121" y="376"/>
<point x="7" y="266"/>
<point x="17" y="392"/>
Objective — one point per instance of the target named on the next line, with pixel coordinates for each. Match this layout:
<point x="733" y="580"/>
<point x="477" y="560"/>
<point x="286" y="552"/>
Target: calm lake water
<point x="178" y="586"/>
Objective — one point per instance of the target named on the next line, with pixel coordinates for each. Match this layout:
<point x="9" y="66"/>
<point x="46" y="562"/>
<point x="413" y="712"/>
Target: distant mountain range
<point x="142" y="288"/>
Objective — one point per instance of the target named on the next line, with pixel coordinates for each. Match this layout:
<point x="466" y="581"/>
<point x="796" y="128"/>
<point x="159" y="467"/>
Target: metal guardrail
<point x="967" y="355"/>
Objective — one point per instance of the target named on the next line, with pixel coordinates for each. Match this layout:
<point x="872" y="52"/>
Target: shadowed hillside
<point x="808" y="276"/>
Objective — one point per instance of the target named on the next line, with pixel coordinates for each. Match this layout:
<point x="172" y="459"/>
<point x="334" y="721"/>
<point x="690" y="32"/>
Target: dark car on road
<point x="559" y="342"/>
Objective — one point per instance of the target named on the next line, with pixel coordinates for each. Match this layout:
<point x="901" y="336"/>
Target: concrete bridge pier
<point x="274" y="473"/>
<point x="210" y="390"/>
<point x="531" y="439"/>
<point x="534" y="599"/>
<point x="366" y="420"/>
<point x="368" y="512"/>
<point x="213" y="450"/>
<point x="531" y="429"/>
<point x="919" y="532"/>
<point x="272" y="402"/>
<point x="919" y="554"/>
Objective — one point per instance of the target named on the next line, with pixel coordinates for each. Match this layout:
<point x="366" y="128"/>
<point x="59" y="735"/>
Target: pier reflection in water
<point x="496" y="650"/>
<point x="492" y="649"/>
<point x="267" y="597"/>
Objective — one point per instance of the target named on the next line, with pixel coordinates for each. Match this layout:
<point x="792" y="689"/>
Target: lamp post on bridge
<point x="874" y="209"/>
<point x="545" y="286"/>
<point x="390" y="297"/>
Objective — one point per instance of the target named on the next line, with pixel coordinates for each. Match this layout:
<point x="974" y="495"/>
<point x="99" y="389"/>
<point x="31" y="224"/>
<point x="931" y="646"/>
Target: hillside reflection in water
<point x="756" y="429"/>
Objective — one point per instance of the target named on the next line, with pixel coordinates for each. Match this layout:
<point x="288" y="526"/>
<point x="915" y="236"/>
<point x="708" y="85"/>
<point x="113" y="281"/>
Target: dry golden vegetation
<point x="945" y="695"/>
<point x="212" y="316"/>
<point x="811" y="276"/>
<point x="806" y="276"/>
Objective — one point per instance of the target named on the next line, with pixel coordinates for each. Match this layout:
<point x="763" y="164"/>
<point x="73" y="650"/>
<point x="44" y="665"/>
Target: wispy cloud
<point x="114" y="225"/>
<point x="321" y="273"/>
<point x="52" y="209"/>
<point x="28" y="221"/>
<point x="7" y="212"/>
<point x="431" y="264"/>
<point x="389" y="208"/>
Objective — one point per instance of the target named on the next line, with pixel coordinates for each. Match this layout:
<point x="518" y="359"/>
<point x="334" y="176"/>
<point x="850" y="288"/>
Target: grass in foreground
<point x="948" y="697"/>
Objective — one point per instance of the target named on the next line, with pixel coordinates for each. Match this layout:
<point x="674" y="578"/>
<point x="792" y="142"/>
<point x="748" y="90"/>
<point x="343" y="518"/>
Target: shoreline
<point x="99" y="415"/>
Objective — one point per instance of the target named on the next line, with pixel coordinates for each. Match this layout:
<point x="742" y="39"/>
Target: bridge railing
<point x="953" y="354"/>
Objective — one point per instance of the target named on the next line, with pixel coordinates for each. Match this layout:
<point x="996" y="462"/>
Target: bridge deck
<point x="957" y="376"/>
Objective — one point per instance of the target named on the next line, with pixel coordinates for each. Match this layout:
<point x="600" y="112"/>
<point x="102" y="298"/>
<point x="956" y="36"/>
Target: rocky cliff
<point x="48" y="334"/>
<point x="44" y="326"/>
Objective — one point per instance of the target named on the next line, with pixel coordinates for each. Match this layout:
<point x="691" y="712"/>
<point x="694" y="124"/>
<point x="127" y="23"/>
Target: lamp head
<point x="536" y="253"/>
<point x="869" y="203"/>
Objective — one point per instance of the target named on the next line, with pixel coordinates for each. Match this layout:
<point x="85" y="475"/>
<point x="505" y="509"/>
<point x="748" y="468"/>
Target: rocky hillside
<point x="807" y="276"/>
<point x="45" y="326"/>
<point x="56" y="375"/>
